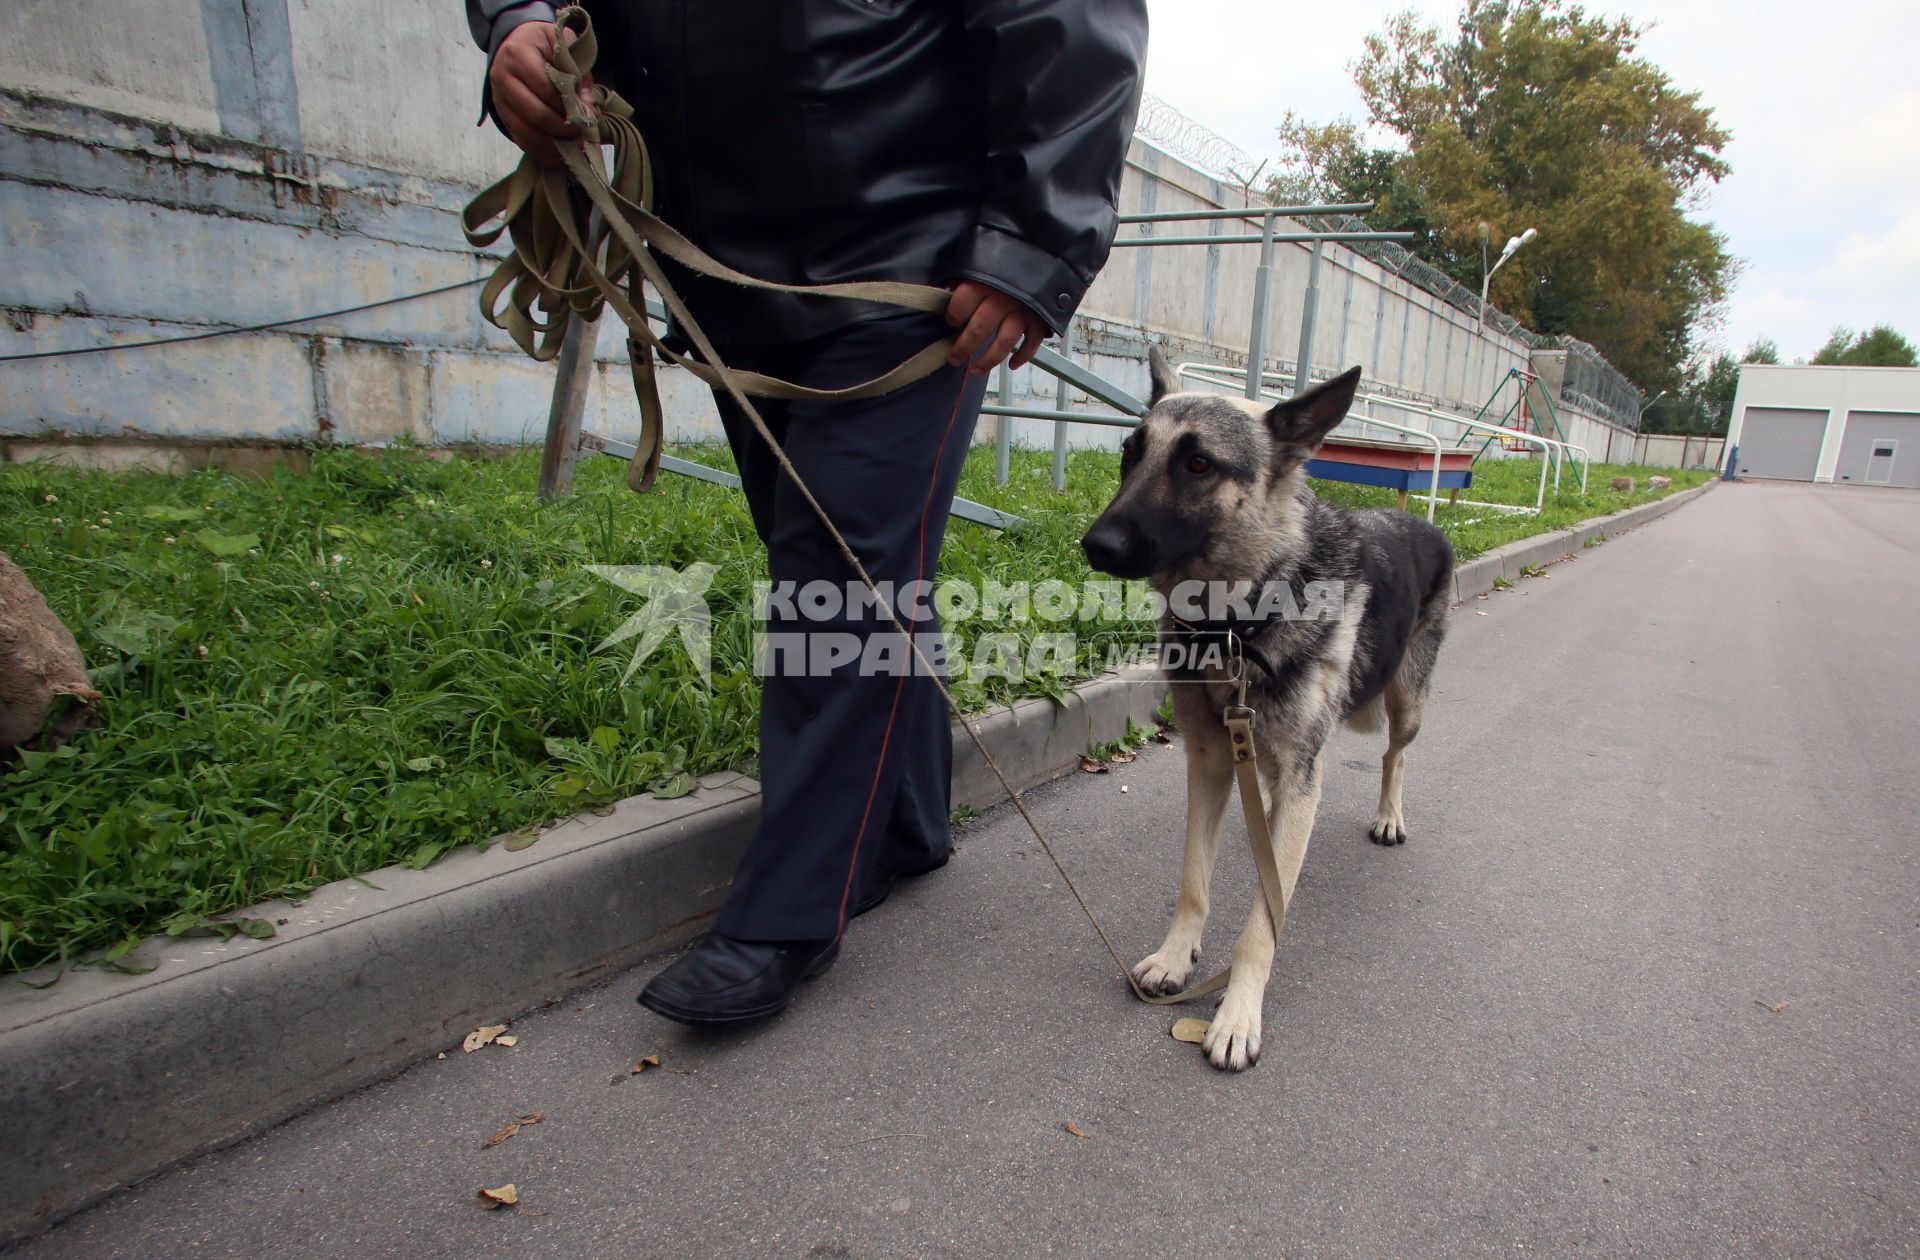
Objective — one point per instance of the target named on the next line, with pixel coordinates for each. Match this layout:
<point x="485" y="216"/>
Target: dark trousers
<point x="855" y="764"/>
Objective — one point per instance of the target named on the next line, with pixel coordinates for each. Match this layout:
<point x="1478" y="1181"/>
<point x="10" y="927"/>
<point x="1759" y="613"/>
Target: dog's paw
<point x="1233" y="1038"/>
<point x="1165" y="971"/>
<point x="1388" y="831"/>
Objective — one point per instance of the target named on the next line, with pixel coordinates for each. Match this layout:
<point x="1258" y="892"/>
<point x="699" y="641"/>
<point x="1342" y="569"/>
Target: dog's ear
<point x="1302" y="422"/>
<point x="1165" y="380"/>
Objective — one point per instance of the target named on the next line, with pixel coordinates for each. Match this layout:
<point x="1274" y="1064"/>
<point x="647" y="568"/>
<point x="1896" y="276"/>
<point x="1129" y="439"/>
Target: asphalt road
<point x="1642" y="983"/>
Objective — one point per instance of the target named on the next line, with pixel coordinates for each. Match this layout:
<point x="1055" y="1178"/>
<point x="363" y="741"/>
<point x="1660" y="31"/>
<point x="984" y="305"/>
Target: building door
<point x="1781" y="442"/>
<point x="1880" y="462"/>
<point x="1880" y="448"/>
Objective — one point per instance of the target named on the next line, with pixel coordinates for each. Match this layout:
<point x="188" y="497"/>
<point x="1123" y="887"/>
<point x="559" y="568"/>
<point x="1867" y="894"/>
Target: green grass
<point x="312" y="675"/>
<point x="1475" y="530"/>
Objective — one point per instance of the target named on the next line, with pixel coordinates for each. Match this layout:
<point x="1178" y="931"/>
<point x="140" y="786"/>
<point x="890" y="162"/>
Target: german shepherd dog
<point x="1213" y="492"/>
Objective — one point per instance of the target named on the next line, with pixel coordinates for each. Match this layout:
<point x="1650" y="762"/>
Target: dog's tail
<point x="1369" y="717"/>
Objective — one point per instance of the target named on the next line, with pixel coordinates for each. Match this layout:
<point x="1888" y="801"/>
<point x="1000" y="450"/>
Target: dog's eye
<point x="1199" y="464"/>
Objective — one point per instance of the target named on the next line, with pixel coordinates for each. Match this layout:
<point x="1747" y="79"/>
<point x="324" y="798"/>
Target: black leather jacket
<point x="810" y="141"/>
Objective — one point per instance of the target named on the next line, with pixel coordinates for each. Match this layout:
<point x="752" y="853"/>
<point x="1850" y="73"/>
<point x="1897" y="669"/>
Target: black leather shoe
<point x="880" y="882"/>
<point x="722" y="981"/>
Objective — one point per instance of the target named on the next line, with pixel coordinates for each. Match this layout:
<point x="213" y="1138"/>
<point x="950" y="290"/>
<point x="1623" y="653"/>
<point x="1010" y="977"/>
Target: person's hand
<point x="533" y="113"/>
<point x="992" y="323"/>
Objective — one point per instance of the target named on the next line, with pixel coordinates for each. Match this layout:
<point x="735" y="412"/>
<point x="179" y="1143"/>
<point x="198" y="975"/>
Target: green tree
<point x="1533" y="113"/>
<point x="1763" y="350"/>
<point x="1879" y="346"/>
<point x="1328" y="163"/>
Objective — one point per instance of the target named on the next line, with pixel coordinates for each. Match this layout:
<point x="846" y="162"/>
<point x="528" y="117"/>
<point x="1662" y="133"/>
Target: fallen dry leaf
<point x="1122" y="758"/>
<point x="509" y="1042"/>
<point x="519" y="1122"/>
<point x="1074" y="1129"/>
<point x="1192" y="1031"/>
<point x="1770" y="1006"/>
<point x="1479" y="612"/>
<point x="481" y="1036"/>
<point x="1092" y="765"/>
<point x="504" y="1196"/>
<point x="652" y="1060"/>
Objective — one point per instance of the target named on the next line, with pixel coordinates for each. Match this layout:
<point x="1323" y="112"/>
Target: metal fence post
<point x="1003" y="432"/>
<point x="1257" y="335"/>
<point x="1060" y="404"/>
<point x="1303" y="372"/>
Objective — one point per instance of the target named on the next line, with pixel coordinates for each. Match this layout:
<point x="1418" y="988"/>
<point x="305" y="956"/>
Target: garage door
<point x="1781" y="442"/>
<point x="1880" y="448"/>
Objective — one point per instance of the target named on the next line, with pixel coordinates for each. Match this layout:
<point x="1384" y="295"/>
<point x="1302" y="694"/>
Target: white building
<point x="1854" y="425"/>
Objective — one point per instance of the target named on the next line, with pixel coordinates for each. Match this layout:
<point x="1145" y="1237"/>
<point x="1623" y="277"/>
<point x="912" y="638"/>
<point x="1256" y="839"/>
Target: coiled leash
<point x="560" y="267"/>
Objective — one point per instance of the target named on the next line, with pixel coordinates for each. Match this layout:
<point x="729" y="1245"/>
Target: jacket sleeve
<point x="1062" y="87"/>
<point x="490" y="20"/>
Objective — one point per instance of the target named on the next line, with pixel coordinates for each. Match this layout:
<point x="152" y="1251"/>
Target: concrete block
<point x="156" y="68"/>
<point x="374" y="394"/>
<point x="1542" y="549"/>
<point x="691" y="415"/>
<point x="247" y="461"/>
<point x="255" y="386"/>
<point x="489" y="398"/>
<point x="424" y="83"/>
<point x="1475" y="577"/>
<point x="107" y="456"/>
<point x="98" y="255"/>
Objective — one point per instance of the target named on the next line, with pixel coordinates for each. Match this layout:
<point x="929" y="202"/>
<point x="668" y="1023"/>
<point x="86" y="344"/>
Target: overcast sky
<point x="1823" y="102"/>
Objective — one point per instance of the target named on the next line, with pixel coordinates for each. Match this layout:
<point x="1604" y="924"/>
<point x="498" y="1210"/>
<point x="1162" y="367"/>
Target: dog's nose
<point x="1106" y="548"/>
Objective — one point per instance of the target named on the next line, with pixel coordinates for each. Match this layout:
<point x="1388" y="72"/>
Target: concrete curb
<point x="1477" y="576"/>
<point x="113" y="1077"/>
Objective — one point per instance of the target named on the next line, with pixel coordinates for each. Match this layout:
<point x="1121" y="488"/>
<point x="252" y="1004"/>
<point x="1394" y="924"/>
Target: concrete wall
<point x="210" y="164"/>
<point x="1836" y="392"/>
<point x="1662" y="450"/>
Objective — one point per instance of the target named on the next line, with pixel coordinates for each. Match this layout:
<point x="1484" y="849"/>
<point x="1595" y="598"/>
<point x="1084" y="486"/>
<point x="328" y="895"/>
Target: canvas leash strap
<point x="559" y="268"/>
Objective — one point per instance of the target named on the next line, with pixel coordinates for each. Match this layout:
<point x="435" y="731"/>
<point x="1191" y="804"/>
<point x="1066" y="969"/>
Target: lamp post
<point x="1514" y="243"/>
<point x="1640" y="422"/>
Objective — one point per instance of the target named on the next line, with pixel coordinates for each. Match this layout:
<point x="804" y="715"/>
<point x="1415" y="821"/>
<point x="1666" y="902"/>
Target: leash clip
<point x="1239" y="679"/>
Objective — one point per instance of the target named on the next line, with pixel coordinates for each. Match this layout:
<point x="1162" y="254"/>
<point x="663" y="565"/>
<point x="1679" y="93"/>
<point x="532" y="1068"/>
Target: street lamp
<point x="1640" y="424"/>
<point x="1514" y="243"/>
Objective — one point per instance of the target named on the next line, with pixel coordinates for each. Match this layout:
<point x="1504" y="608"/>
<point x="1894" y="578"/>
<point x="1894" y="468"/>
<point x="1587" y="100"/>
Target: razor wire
<point x="1193" y="143"/>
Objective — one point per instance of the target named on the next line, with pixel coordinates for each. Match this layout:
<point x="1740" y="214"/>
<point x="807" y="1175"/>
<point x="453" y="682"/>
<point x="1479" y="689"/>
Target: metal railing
<point x="1591" y="382"/>
<point x="1195" y="371"/>
<point x="1546" y="445"/>
<point x="1061" y="366"/>
<point x="1252" y="381"/>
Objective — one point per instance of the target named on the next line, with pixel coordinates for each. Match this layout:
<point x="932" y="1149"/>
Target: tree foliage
<point x="1534" y="113"/>
<point x="1879" y="346"/>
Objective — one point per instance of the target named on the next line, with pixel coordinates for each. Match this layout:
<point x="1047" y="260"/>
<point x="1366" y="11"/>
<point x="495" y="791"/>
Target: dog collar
<point x="1237" y="635"/>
